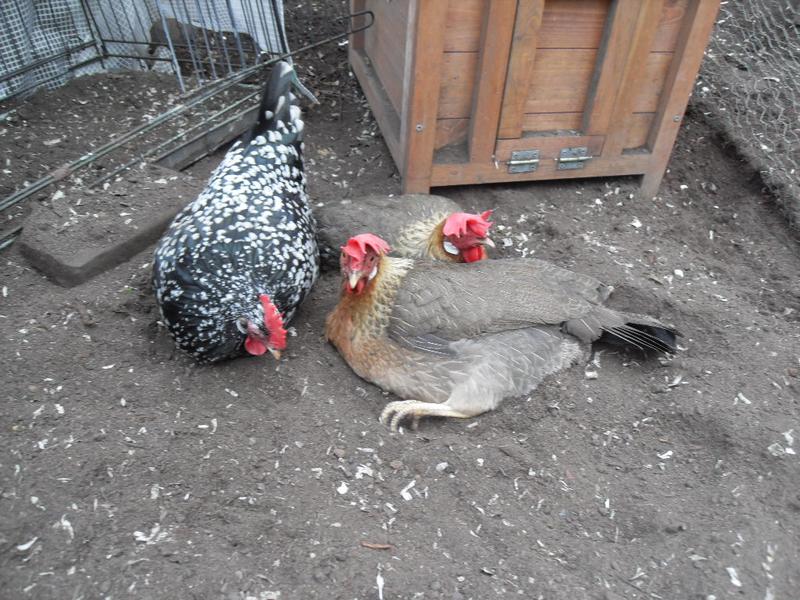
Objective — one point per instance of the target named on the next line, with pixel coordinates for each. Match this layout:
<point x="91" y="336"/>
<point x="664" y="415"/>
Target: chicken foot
<point x="396" y="412"/>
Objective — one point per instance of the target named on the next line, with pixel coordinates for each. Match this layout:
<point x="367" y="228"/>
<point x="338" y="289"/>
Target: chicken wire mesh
<point x="749" y="88"/>
<point x="44" y="42"/>
<point x="207" y="39"/>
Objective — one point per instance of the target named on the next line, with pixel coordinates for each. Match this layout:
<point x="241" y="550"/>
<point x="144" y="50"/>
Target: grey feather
<point x="456" y="301"/>
<point x="385" y="216"/>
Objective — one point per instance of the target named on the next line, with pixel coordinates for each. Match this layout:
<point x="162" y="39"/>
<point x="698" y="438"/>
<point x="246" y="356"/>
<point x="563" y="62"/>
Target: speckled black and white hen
<point x="235" y="264"/>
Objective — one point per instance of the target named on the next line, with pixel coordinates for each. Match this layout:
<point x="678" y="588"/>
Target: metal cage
<point x="45" y="42"/>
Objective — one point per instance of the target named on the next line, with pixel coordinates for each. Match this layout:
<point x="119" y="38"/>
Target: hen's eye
<point x="449" y="247"/>
<point x="241" y="324"/>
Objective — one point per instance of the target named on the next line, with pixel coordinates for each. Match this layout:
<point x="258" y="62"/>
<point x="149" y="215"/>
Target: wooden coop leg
<point x="496" y="35"/>
<point x="692" y="40"/>
<point x="421" y="80"/>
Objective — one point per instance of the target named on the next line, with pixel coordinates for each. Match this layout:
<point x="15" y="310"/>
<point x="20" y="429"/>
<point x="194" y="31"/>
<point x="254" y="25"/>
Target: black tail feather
<point x="642" y="336"/>
<point x="276" y="101"/>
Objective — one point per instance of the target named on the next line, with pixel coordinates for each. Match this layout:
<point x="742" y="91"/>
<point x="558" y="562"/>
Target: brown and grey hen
<point x="416" y="226"/>
<point x="453" y="340"/>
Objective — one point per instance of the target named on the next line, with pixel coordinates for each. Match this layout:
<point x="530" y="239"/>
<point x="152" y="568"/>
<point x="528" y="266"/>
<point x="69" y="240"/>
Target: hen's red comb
<point x="358" y="246"/>
<point x="460" y="223"/>
<point x="273" y="321"/>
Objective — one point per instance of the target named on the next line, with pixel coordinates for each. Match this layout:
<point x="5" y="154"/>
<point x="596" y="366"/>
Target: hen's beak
<point x="353" y="279"/>
<point x="487" y="241"/>
<point x="275" y="353"/>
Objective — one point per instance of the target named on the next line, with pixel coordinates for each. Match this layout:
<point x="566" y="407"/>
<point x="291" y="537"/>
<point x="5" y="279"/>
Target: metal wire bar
<point x="105" y="19"/>
<point x="205" y="38"/>
<point x="158" y="58"/>
<point x="175" y="66"/>
<point x="247" y="12"/>
<point x="41" y="82"/>
<point x="44" y="61"/>
<point x="141" y="22"/>
<point x="17" y="47"/>
<point x="165" y="45"/>
<point x="151" y="43"/>
<point x="131" y="29"/>
<point x="263" y="23"/>
<point x="175" y="138"/>
<point x="212" y="13"/>
<point x="9" y="237"/>
<point x="116" y="20"/>
<point x="198" y="72"/>
<point x="208" y="151"/>
<point x="235" y="31"/>
<point x="92" y="23"/>
<point x="278" y="18"/>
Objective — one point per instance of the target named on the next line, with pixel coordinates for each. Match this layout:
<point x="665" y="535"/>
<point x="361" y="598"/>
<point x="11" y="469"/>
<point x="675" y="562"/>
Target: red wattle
<point x="473" y="254"/>
<point x="254" y="346"/>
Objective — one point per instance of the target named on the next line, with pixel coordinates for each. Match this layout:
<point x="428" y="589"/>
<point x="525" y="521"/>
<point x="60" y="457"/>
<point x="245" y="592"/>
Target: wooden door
<point x="570" y="85"/>
<point x="578" y="88"/>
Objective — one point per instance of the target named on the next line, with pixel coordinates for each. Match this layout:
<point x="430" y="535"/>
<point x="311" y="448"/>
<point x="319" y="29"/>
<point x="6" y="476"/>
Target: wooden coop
<point x="479" y="91"/>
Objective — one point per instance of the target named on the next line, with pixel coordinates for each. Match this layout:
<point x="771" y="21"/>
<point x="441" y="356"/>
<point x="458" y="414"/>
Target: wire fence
<point x="749" y="88"/>
<point x="45" y="42"/>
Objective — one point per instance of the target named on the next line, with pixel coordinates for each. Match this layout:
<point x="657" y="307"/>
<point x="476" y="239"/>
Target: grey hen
<point x="455" y="339"/>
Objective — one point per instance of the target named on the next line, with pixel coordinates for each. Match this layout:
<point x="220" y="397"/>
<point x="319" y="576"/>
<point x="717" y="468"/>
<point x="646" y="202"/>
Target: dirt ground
<point x="128" y="472"/>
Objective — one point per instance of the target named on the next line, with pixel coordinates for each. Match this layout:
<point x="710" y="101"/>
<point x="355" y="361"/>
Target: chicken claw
<point x="396" y="412"/>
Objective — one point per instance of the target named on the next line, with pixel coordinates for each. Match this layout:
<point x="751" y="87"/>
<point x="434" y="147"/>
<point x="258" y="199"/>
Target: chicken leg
<point x="396" y="412"/>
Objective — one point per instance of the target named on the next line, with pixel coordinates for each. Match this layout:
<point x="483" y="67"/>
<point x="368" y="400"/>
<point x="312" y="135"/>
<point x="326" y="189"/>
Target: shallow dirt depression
<point x="128" y="472"/>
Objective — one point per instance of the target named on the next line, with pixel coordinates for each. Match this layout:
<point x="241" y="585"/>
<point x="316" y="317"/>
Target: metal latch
<point x="523" y="161"/>
<point x="573" y="158"/>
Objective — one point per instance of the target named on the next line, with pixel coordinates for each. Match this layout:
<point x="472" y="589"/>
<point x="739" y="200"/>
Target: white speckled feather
<point x="249" y="232"/>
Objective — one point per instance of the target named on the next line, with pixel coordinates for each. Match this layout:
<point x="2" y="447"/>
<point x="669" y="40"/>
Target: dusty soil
<point x="128" y="472"/>
<point x="90" y="218"/>
<point x="52" y="128"/>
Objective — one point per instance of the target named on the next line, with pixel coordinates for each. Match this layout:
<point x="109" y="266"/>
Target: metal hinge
<point x="523" y="161"/>
<point x="573" y="158"/>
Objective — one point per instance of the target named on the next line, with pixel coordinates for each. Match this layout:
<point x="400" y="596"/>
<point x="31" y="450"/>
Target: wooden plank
<point x="534" y="122"/>
<point x="357" y="39"/>
<point x="573" y="23"/>
<point x="520" y="67"/>
<point x="458" y="73"/>
<point x="669" y="26"/>
<point x="638" y="130"/>
<point x="379" y="102"/>
<point x="566" y="74"/>
<point x="650" y="84"/>
<point x="470" y="173"/>
<point x="385" y="45"/>
<point x="464" y="21"/>
<point x="458" y="80"/>
<point x="420" y="102"/>
<point x="450" y="131"/>
<point x="549" y="146"/>
<point x="565" y="24"/>
<point x="624" y="24"/>
<point x="692" y="40"/>
<point x="634" y="76"/>
<point x="498" y="28"/>
<point x="561" y="80"/>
